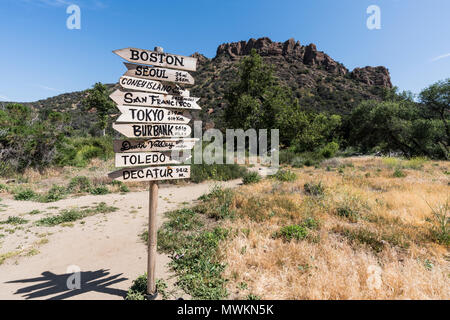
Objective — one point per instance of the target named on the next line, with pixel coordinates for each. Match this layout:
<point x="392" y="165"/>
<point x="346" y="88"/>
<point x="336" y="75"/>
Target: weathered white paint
<point x="151" y="173"/>
<point x="133" y="83"/>
<point x="142" y="145"/>
<point x="139" y="159"/>
<point x="131" y="130"/>
<point x="161" y="74"/>
<point x="152" y="115"/>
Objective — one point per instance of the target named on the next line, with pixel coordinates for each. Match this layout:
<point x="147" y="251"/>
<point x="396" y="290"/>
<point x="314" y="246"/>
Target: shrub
<point x="287" y="233"/>
<point x="79" y="184"/>
<point x="100" y="190"/>
<point x="251" y="177"/>
<point x="220" y="172"/>
<point x="24" y="194"/>
<point x="398" y="173"/>
<point x="314" y="189"/>
<point x="54" y="194"/>
<point x="285" y="175"/>
<point x="347" y="212"/>
<point x="329" y="150"/>
<point x="138" y="289"/>
<point x="14" y="221"/>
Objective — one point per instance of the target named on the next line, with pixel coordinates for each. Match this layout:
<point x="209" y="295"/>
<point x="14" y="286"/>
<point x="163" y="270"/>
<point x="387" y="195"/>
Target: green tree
<point x="98" y="100"/>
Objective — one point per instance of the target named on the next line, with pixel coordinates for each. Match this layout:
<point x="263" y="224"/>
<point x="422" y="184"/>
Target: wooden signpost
<point x="154" y="100"/>
<point x="155" y="117"/>
<point x="161" y="74"/>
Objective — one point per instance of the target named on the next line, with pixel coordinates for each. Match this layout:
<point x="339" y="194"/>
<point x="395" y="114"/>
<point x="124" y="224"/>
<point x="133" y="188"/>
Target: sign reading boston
<point x="157" y="59"/>
<point x="151" y="173"/>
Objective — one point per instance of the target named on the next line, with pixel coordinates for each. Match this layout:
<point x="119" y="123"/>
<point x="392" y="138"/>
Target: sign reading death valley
<point x="154" y="145"/>
<point x="151" y="86"/>
<point x="152" y="115"/>
<point x="148" y="158"/>
<point x="131" y="130"/>
<point x="161" y="74"/>
<point x="151" y="173"/>
<point x="157" y="59"/>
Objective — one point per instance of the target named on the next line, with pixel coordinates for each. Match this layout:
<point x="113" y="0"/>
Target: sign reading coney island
<point x="151" y="173"/>
<point x="152" y="115"/>
<point x="148" y="158"/>
<point x="161" y="74"/>
<point x="153" y="145"/>
<point x="154" y="100"/>
<point x="131" y="130"/>
<point x="133" y="83"/>
<point x="159" y="59"/>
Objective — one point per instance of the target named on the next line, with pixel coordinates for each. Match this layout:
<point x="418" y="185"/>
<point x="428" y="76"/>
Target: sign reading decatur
<point x="154" y="100"/>
<point x="154" y="145"/>
<point x="148" y="158"/>
<point x="131" y="130"/>
<point x="160" y="59"/>
<point x="152" y="115"/>
<point x="151" y="173"/>
<point x="155" y="73"/>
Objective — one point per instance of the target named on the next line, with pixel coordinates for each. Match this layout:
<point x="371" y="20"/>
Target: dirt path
<point x="106" y="247"/>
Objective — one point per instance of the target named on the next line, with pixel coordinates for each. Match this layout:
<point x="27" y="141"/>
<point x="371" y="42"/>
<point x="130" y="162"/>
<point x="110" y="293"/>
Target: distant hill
<point x="319" y="82"/>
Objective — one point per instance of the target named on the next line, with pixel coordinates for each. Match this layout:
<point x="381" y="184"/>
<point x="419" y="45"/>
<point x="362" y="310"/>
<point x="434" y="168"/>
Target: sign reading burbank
<point x="154" y="100"/>
<point x="131" y="130"/>
<point x="151" y="173"/>
<point x="148" y="158"/>
<point x="157" y="58"/>
<point x="162" y="74"/>
<point x="152" y="115"/>
<point x="154" y="145"/>
<point x="151" y="86"/>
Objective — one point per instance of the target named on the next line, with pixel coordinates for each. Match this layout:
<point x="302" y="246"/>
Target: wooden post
<point x="152" y="233"/>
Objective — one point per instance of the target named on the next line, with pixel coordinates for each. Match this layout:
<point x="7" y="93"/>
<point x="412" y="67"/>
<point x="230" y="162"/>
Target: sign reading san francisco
<point x="160" y="59"/>
<point x="154" y="100"/>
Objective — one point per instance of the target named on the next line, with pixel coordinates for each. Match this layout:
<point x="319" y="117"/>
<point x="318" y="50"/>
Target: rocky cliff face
<point x="308" y="55"/>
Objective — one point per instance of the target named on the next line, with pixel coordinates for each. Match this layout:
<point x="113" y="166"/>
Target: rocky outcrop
<point x="371" y="76"/>
<point x="308" y="55"/>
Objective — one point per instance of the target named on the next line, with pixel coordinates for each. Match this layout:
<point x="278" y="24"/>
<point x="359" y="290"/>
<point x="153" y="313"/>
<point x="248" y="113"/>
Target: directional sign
<point x="152" y="86"/>
<point x="152" y="130"/>
<point x="148" y="158"/>
<point x="152" y="115"/>
<point x="151" y="173"/>
<point x="157" y="59"/>
<point x="161" y="74"/>
<point x="154" y="145"/>
<point x="154" y="100"/>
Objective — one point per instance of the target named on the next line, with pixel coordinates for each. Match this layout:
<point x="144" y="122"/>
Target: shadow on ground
<point x="50" y="284"/>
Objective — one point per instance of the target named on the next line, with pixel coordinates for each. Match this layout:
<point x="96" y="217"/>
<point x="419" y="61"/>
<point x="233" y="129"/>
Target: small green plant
<point x="440" y="228"/>
<point x="100" y="190"/>
<point x="287" y="233"/>
<point x="79" y="184"/>
<point x="314" y="189"/>
<point x="348" y="212"/>
<point x="34" y="212"/>
<point x="3" y="187"/>
<point x="24" y="194"/>
<point x="398" y="173"/>
<point x="252" y="296"/>
<point x="138" y="289"/>
<point x="14" y="221"/>
<point x="54" y="194"/>
<point x="285" y="176"/>
<point x="251" y="177"/>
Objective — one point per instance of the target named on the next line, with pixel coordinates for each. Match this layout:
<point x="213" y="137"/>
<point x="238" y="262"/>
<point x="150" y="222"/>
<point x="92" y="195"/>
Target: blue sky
<point x="40" y="57"/>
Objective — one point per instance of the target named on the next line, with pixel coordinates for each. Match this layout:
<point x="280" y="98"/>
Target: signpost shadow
<point x="50" y="284"/>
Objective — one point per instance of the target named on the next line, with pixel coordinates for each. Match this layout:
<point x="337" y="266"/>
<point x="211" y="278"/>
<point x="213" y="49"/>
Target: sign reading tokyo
<point x="158" y="59"/>
<point x="152" y="115"/>
<point x="152" y="130"/>
<point x="154" y="145"/>
<point x="151" y="173"/>
<point x="154" y="100"/>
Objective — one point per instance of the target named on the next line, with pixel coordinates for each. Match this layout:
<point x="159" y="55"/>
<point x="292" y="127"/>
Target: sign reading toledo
<point x="154" y="115"/>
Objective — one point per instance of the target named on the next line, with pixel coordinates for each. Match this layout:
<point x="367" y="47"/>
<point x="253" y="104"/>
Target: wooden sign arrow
<point x="140" y="159"/>
<point x="161" y="74"/>
<point x="151" y="173"/>
<point x="154" y="145"/>
<point x="154" y="100"/>
<point x="152" y="115"/>
<point x="131" y="130"/>
<point x="151" y="86"/>
<point x="157" y="59"/>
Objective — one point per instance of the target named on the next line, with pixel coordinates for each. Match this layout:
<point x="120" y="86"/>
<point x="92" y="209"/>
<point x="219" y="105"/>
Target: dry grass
<point x="374" y="238"/>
